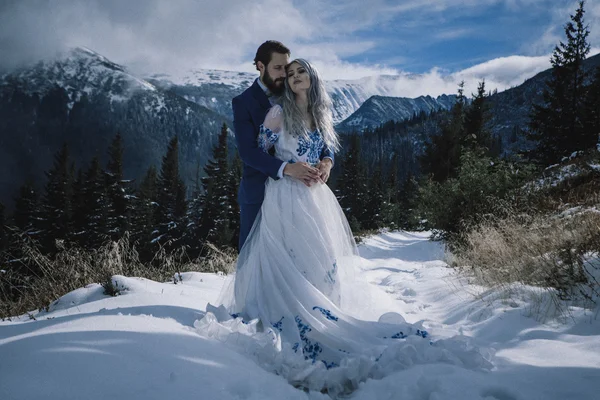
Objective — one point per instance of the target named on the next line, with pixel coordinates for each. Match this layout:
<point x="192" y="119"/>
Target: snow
<point x="595" y="167"/>
<point x="556" y="176"/>
<point x="347" y="95"/>
<point x="239" y="80"/>
<point x="142" y="344"/>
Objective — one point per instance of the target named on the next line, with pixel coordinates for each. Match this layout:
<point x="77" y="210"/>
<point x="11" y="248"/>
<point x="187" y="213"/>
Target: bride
<point x="291" y="272"/>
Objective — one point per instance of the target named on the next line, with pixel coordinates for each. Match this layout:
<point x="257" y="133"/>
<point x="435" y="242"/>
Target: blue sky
<point x="430" y="44"/>
<point x="457" y="38"/>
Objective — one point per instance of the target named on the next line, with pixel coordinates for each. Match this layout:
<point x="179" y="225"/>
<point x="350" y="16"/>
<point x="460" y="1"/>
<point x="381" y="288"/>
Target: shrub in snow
<point x="35" y="280"/>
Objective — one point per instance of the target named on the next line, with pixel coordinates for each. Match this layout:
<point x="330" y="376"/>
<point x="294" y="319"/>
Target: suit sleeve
<point x="247" y="142"/>
<point x="328" y="153"/>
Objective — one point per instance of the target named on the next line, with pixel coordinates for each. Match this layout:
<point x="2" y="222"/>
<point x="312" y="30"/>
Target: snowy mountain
<point x="84" y="99"/>
<point x="379" y="109"/>
<point x="509" y="110"/>
<point x="79" y="71"/>
<point x="147" y="342"/>
<point x="214" y="89"/>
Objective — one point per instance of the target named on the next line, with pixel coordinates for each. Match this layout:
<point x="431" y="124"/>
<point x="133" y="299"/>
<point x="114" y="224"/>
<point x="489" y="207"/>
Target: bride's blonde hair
<point x="319" y="107"/>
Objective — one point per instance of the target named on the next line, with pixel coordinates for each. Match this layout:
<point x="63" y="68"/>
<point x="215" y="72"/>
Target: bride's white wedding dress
<point x="285" y="306"/>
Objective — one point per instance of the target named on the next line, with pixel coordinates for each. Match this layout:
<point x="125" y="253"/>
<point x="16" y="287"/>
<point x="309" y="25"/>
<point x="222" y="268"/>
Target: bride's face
<point x="298" y="78"/>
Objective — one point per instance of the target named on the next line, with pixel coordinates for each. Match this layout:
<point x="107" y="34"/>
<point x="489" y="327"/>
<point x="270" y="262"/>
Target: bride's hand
<point x="324" y="168"/>
<point x="303" y="172"/>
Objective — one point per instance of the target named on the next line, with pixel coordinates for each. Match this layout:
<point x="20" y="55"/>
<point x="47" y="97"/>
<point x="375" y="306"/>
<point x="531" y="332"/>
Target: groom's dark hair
<point x="265" y="51"/>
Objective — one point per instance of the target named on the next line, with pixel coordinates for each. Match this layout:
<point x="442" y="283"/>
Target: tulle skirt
<point x="285" y="305"/>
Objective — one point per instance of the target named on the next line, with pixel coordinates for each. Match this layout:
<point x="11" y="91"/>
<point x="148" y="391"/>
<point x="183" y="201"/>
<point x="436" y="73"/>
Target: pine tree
<point x="172" y="206"/>
<point x="56" y="212"/>
<point x="351" y="187"/>
<point x="119" y="192"/>
<point x="558" y="124"/>
<point x="3" y="229"/>
<point x="373" y="217"/>
<point x="407" y="204"/>
<point x="96" y="206"/>
<point x="441" y="157"/>
<point x="390" y="208"/>
<point x="235" y="177"/>
<point x="144" y="219"/>
<point x="216" y="203"/>
<point x="477" y="117"/>
<point x="592" y="110"/>
<point x="79" y="205"/>
<point x="26" y="209"/>
<point x="193" y="236"/>
<point x="392" y="180"/>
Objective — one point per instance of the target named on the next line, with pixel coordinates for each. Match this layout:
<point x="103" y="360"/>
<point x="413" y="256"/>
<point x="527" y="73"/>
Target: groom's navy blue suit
<point x="249" y="111"/>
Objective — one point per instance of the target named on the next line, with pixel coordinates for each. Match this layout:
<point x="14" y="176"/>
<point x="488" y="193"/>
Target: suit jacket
<point x="249" y="111"/>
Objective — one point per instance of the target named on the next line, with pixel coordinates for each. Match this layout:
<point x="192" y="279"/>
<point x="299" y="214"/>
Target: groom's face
<point x="274" y="73"/>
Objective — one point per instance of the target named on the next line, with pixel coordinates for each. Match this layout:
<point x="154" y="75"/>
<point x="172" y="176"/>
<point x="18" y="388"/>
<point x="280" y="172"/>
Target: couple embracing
<point x="285" y="303"/>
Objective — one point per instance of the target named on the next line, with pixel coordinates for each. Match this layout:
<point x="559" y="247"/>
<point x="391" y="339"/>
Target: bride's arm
<point x="271" y="128"/>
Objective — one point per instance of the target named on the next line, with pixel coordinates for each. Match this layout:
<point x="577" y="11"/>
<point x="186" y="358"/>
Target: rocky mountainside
<point x="379" y="109"/>
<point x="84" y="99"/>
<point x="214" y="89"/>
<point x="511" y="108"/>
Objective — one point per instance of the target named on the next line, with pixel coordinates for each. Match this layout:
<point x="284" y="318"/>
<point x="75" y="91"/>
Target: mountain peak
<point x="77" y="70"/>
<point x="90" y="57"/>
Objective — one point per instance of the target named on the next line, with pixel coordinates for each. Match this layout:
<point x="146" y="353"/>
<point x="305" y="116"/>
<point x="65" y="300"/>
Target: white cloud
<point x="501" y="73"/>
<point x="507" y="71"/>
<point x="178" y="36"/>
<point x="453" y="33"/>
<point x="166" y="35"/>
<point x="554" y="32"/>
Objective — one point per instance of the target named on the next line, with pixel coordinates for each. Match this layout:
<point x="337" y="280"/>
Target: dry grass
<point x="36" y="280"/>
<point x="557" y="252"/>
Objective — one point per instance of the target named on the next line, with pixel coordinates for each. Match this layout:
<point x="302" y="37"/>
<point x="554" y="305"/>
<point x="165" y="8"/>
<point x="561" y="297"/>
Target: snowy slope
<point x="215" y="89"/>
<point x="379" y="109"/>
<point x="142" y="344"/>
<point x="78" y="71"/>
<point x="84" y="99"/>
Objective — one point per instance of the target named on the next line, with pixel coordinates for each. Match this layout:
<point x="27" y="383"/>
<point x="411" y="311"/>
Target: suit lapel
<point x="260" y="96"/>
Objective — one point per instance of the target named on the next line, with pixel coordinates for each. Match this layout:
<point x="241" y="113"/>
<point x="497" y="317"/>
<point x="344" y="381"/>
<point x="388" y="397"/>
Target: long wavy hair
<point x="319" y="107"/>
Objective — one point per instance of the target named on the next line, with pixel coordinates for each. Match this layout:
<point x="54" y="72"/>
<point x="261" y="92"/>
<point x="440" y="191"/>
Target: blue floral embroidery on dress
<point x="266" y="138"/>
<point x="326" y="313"/>
<point x="310" y="350"/>
<point x="330" y="277"/>
<point x="313" y="145"/>
<point x="279" y="325"/>
<point x="238" y="315"/>
<point x="401" y="335"/>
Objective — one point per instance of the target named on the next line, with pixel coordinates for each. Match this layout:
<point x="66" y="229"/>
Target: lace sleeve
<point x="271" y="128"/>
<point x="274" y="119"/>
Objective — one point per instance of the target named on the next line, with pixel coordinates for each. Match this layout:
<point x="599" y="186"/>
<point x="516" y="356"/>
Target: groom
<point x="249" y="111"/>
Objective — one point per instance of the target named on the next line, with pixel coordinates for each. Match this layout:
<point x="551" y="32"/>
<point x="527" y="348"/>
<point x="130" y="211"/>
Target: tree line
<point x="87" y="207"/>
<point x="460" y="176"/>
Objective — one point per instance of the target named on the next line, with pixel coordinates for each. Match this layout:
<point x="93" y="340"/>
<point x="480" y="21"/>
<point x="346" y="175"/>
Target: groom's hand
<point x="303" y="172"/>
<point x="324" y="168"/>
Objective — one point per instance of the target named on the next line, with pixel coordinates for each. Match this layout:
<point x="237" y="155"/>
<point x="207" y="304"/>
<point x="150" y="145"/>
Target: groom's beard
<point x="275" y="86"/>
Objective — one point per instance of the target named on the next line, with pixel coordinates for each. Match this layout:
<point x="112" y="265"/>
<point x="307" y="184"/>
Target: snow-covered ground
<point x="143" y="344"/>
